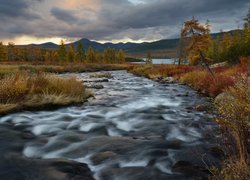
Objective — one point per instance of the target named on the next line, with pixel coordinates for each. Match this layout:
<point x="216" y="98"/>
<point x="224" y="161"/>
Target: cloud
<point x="63" y="15"/>
<point x="17" y="8"/>
<point x="106" y="20"/>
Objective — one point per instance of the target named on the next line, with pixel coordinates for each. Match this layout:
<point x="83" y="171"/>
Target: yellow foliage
<point x="200" y="39"/>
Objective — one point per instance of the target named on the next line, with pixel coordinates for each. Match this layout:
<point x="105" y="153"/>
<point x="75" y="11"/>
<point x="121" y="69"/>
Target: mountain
<point x="48" y="45"/>
<point x="166" y="48"/>
<point x="100" y="47"/>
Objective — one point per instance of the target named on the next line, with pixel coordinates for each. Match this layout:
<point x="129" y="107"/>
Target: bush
<point x="234" y="108"/>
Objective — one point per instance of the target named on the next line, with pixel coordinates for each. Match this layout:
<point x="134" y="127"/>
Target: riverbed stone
<point x="102" y="156"/>
<point x="95" y="86"/>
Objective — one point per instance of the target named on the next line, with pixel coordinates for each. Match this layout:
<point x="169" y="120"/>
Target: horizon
<point x="101" y="42"/>
<point x="41" y="21"/>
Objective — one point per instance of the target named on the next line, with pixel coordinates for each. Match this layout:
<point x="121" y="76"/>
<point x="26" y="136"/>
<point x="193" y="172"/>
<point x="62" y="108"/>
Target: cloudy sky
<point x="36" y="21"/>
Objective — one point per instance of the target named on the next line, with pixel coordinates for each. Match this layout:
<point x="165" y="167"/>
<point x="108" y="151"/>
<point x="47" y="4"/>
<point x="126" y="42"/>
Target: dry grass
<point x="26" y="90"/>
<point x="234" y="108"/>
<point x="232" y="170"/>
<point x="152" y="71"/>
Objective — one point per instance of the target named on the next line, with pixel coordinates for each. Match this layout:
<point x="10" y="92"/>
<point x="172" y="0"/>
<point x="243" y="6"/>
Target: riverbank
<point x="230" y="89"/>
<point x="39" y="91"/>
<point x="9" y="68"/>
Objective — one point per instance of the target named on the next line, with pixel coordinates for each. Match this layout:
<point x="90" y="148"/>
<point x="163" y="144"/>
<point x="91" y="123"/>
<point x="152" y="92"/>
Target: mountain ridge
<point x="164" y="48"/>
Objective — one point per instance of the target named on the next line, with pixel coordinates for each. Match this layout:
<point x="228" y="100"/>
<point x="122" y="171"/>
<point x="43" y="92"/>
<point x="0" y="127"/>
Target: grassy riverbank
<point x="231" y="90"/>
<point x="31" y="91"/>
<point x="74" y="68"/>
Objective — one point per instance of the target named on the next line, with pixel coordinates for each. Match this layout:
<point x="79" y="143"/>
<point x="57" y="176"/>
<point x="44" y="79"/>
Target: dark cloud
<point x="115" y="19"/>
<point x="64" y="15"/>
<point x="16" y="8"/>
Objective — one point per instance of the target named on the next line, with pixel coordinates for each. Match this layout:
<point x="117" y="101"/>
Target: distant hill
<point x="166" y="48"/>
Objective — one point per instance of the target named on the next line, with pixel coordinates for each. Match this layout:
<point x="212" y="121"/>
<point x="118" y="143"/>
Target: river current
<point x="133" y="129"/>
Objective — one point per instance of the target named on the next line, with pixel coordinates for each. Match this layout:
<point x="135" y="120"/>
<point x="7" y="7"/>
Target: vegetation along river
<point x="133" y="129"/>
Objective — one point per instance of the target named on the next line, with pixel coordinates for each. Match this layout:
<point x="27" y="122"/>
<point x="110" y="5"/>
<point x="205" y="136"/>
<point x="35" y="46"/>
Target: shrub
<point x="234" y="108"/>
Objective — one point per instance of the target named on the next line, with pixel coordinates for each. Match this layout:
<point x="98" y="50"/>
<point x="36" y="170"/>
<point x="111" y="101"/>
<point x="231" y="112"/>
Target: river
<point x="133" y="129"/>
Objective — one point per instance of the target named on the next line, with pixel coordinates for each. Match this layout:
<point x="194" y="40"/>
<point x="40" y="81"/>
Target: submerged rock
<point x="95" y="80"/>
<point x="52" y="169"/>
<point x="102" y="156"/>
<point x="95" y="86"/>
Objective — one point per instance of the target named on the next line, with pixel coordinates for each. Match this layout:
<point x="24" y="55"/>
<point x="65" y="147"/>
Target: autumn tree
<point x="11" y="51"/>
<point x="90" y="55"/>
<point x="3" y="52"/>
<point x="71" y="54"/>
<point x="121" y="56"/>
<point x="80" y="52"/>
<point x="47" y="57"/>
<point x="200" y="41"/>
<point x="148" y="58"/>
<point x="62" y="52"/>
<point x="55" y="56"/>
<point x="109" y="55"/>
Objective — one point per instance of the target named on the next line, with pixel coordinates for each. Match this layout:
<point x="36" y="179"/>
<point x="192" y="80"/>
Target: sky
<point x="38" y="21"/>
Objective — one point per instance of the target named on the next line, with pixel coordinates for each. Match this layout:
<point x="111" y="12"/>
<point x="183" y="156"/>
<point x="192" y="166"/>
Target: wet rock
<point x="189" y="108"/>
<point x="95" y="86"/>
<point x="102" y="156"/>
<point x="168" y="80"/>
<point x="134" y="173"/>
<point x="28" y="135"/>
<point x="95" y="80"/>
<point x="156" y="152"/>
<point x="52" y="169"/>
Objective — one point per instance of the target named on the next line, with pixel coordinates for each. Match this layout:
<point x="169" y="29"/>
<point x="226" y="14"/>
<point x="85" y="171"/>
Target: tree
<point x="3" y="52"/>
<point x="11" y="51"/>
<point x="121" y="56"/>
<point x="62" y="52"/>
<point x="181" y="51"/>
<point x="148" y="58"/>
<point x="71" y="54"/>
<point x="80" y="52"/>
<point x="90" y="55"/>
<point x="47" y="57"/>
<point x="54" y="56"/>
<point x="200" y="41"/>
<point x="109" y="55"/>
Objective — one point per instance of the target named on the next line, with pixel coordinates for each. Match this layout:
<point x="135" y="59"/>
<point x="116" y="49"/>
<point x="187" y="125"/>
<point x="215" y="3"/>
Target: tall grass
<point x="27" y="90"/>
<point x="234" y="108"/>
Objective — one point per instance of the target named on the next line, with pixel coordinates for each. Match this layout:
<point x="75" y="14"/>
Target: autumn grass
<point x="39" y="91"/>
<point x="101" y="75"/>
<point x="73" y="68"/>
<point x="155" y="71"/>
<point x="234" y="108"/>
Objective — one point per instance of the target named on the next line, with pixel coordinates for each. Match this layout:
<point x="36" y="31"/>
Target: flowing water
<point x="134" y="128"/>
